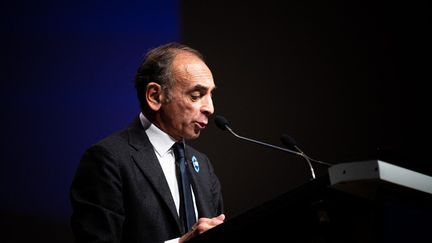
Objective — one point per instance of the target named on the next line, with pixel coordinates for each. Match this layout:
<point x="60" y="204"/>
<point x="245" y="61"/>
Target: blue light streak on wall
<point x="66" y="81"/>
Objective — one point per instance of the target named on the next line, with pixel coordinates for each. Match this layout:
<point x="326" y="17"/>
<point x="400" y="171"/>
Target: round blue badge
<point x="195" y="164"/>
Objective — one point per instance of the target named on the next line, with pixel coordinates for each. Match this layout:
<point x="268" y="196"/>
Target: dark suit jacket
<point x="120" y="194"/>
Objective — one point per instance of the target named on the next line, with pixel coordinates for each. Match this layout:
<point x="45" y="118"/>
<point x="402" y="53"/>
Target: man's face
<point x="188" y="110"/>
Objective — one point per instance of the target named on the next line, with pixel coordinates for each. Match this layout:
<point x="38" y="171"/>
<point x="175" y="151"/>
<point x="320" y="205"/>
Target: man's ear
<point x="154" y="95"/>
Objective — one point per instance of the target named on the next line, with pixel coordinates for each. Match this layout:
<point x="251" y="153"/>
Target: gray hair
<point x="157" y="67"/>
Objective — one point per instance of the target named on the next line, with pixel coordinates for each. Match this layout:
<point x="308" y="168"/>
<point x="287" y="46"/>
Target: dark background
<point x="346" y="80"/>
<point x="67" y="70"/>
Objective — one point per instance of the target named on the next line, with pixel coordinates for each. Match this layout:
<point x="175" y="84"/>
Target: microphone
<point x="223" y="124"/>
<point x="289" y="141"/>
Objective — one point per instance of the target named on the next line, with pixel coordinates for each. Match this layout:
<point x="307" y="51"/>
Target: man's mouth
<point x="201" y="125"/>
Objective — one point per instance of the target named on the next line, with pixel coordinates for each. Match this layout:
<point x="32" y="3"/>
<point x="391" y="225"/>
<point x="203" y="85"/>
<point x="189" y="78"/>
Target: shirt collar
<point x="161" y="141"/>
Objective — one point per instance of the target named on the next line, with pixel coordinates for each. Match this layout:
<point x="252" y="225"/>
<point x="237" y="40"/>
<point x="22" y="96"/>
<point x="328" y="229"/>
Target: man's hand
<point x="202" y="226"/>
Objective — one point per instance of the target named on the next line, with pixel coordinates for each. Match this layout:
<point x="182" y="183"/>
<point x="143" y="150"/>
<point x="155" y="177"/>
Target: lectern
<point x="365" y="201"/>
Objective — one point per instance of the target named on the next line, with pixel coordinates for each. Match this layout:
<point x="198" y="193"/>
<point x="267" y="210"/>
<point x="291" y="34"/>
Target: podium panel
<point x="329" y="210"/>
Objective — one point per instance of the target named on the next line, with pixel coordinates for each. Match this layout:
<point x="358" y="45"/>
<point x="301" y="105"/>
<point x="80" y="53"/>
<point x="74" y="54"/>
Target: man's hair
<point x="157" y="67"/>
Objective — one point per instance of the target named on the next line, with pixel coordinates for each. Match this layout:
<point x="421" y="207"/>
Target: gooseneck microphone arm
<point x="222" y="123"/>
<point x="290" y="142"/>
<point x="262" y="143"/>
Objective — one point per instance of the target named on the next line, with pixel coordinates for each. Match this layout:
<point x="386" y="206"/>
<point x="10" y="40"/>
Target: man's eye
<point x="195" y="97"/>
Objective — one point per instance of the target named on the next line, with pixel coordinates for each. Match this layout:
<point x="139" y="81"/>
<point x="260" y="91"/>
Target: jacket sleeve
<point x="96" y="198"/>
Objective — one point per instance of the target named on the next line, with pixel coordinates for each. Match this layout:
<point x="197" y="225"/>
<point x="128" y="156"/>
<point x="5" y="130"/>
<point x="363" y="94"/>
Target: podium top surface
<point x="345" y="175"/>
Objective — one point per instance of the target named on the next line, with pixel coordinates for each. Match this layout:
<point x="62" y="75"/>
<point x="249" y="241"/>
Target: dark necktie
<point x="187" y="211"/>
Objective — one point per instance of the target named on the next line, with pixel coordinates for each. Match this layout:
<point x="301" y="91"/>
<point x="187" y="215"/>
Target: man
<point x="127" y="187"/>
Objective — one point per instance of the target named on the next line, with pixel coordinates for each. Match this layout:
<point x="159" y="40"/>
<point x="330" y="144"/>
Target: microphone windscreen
<point x="221" y="122"/>
<point x="288" y="140"/>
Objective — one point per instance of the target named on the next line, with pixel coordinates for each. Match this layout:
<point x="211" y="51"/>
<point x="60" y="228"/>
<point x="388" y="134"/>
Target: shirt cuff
<point x="176" y="240"/>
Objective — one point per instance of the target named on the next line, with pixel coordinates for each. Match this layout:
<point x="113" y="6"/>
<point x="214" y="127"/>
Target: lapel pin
<point x="195" y="163"/>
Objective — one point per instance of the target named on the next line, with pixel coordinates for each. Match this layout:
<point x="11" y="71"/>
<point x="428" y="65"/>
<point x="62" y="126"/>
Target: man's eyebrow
<point x="200" y="87"/>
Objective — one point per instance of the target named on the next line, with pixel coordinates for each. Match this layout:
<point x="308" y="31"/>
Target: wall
<point x="344" y="79"/>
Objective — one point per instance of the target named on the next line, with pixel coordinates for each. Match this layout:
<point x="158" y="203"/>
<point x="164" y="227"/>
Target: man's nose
<point x="207" y="106"/>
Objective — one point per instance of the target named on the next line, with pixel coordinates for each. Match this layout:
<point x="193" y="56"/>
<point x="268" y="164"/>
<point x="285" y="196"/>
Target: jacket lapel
<point x="146" y="160"/>
<point x="197" y="184"/>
